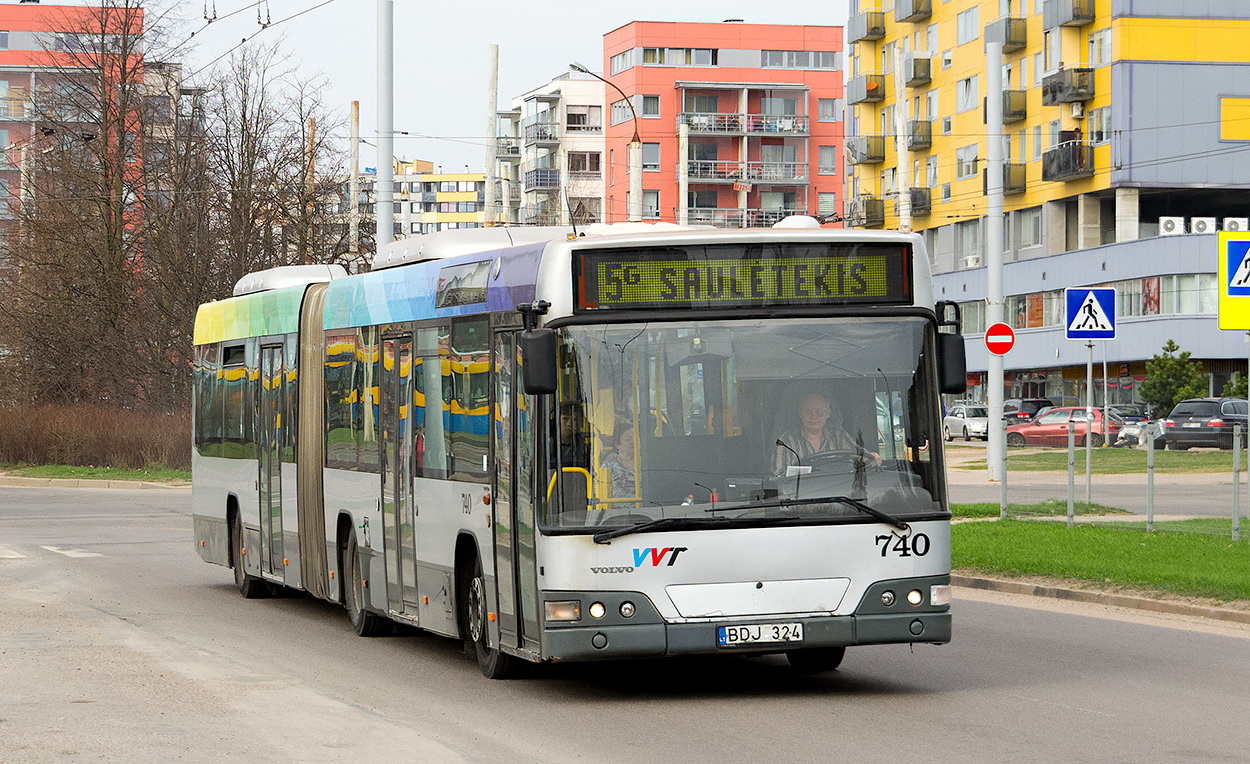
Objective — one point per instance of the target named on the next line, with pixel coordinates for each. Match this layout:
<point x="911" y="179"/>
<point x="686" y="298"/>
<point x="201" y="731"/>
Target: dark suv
<point x="1205" y="422"/>
<point x="1021" y="410"/>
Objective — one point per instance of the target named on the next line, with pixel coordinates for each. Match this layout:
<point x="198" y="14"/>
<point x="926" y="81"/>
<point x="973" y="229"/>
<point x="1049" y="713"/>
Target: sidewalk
<point x="27" y="482"/>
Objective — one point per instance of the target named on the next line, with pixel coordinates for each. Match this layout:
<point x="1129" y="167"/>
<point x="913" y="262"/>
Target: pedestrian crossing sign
<point x="1090" y="313"/>
<point x="1233" y="266"/>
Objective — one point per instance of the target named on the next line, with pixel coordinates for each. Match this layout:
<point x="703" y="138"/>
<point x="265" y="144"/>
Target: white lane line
<point x="9" y="554"/>
<point x="72" y="552"/>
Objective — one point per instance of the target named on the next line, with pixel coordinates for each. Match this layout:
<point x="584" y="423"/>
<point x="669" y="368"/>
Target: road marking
<point x="9" y="554"/>
<point x="72" y="552"/>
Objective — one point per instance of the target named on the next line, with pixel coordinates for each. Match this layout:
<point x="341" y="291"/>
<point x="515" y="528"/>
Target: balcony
<point x="542" y="132"/>
<point x="540" y="216"/>
<point x="865" y="149"/>
<point x="912" y="10"/>
<point x="917" y="70"/>
<point x="508" y="148"/>
<point x="713" y="123"/>
<point x="542" y="180"/>
<point x="1015" y="106"/>
<point x="865" y="212"/>
<point x="766" y="218"/>
<point x="721" y="218"/>
<point x="1013" y="179"/>
<point x="1067" y="13"/>
<point x="865" y="88"/>
<point x="574" y="127"/>
<point x="770" y="124"/>
<point x="921" y="201"/>
<point x="1068" y="161"/>
<point x="1011" y="31"/>
<point x="777" y="172"/>
<point x="869" y="25"/>
<point x="1068" y="86"/>
<point x="919" y="134"/>
<point x="713" y="170"/>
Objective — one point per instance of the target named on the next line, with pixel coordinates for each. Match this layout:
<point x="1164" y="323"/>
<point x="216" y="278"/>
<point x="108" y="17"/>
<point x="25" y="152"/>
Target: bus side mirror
<point x="952" y="364"/>
<point x="538" y="361"/>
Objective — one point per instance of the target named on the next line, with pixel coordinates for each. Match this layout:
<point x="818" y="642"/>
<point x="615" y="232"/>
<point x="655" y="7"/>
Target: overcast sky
<point x="441" y="53"/>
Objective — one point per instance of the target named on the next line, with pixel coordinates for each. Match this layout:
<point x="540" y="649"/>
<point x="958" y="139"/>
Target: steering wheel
<point x="829" y="458"/>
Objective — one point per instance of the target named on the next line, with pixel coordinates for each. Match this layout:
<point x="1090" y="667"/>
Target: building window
<point x="946" y="125"/>
<point x="621" y="112"/>
<point x="611" y="167"/>
<point x="826" y="204"/>
<point x="967" y="26"/>
<point x="931" y="172"/>
<point x="946" y="192"/>
<point x="651" y="157"/>
<point x="931" y="105"/>
<point x="967" y="241"/>
<point x="1100" y="126"/>
<point x="966" y="95"/>
<point x="966" y="162"/>
<point x="1051" y="43"/>
<point x="1038" y="70"/>
<point x="947" y="59"/>
<point x="830" y="109"/>
<point x="651" y="106"/>
<point x="1031" y="227"/>
<point x="799" y="59"/>
<point x="650" y="204"/>
<point x="621" y="61"/>
<point x="4" y="40"/>
<point x="1037" y="142"/>
<point x="584" y="119"/>
<point x="680" y="56"/>
<point x="701" y="104"/>
<point x="1054" y="134"/>
<point x="779" y="106"/>
<point x="702" y="200"/>
<point x="828" y="160"/>
<point x="1100" y="47"/>
<point x="584" y="162"/>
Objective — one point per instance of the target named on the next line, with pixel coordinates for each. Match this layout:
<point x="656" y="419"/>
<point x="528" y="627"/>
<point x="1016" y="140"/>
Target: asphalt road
<point x="118" y="644"/>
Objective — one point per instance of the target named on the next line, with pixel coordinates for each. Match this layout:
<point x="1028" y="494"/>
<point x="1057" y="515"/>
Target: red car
<point x="1051" y="428"/>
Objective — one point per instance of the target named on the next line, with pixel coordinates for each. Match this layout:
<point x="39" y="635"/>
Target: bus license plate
<point x="758" y="633"/>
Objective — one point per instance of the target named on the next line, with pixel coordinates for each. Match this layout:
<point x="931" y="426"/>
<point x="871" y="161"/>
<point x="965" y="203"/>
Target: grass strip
<point x="1115" y="461"/>
<point x="157" y="473"/>
<point x="1048" y="508"/>
<point x="1188" y="564"/>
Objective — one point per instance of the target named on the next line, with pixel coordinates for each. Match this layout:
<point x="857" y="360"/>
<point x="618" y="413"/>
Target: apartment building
<point x="763" y="105"/>
<point x="1126" y="129"/>
<point x="550" y="154"/>
<point x="426" y="199"/>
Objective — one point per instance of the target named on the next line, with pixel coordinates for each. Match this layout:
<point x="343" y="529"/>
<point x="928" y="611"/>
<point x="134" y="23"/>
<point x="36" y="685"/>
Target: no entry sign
<point x="999" y="338"/>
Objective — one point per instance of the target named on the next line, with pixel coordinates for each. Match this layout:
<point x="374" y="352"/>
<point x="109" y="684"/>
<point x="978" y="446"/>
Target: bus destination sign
<point x="738" y="276"/>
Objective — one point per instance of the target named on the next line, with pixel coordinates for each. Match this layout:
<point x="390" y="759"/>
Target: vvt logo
<point x="656" y="555"/>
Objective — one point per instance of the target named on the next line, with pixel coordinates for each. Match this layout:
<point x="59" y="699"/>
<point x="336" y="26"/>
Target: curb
<point x="1101" y="598"/>
<point x="25" y="482"/>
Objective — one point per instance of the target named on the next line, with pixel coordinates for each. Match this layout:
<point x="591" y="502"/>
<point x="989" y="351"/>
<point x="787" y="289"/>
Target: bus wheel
<point x="250" y="587"/>
<point x="493" y="663"/>
<point x="365" y="623"/>
<point x="816" y="659"/>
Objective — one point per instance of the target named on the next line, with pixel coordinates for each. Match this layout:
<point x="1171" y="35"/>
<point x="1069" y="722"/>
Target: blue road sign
<point x="1090" y="313"/>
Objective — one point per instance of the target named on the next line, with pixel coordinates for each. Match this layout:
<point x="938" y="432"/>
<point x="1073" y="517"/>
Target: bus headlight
<point x="564" y="610"/>
<point x="597" y="610"/>
<point x="915" y="597"/>
<point x="940" y="594"/>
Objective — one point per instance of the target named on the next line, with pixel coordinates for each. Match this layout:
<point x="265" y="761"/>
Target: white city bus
<point x="572" y="448"/>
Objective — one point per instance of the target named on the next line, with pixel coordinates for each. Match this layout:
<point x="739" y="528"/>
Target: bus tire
<point x="816" y="659"/>
<point x="365" y="623"/>
<point x="493" y="663"/>
<point x="250" y="587"/>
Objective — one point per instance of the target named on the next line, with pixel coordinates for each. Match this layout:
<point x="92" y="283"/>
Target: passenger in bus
<point x="621" y="462"/>
<point x="819" y="431"/>
<point x="574" y="450"/>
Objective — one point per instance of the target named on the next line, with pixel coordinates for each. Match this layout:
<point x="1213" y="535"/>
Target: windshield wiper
<point x="603" y="537"/>
<point x="869" y="510"/>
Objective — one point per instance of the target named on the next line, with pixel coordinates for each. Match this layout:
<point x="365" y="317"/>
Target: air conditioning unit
<point x="1171" y="226"/>
<point x="972" y="261"/>
<point x="1078" y="110"/>
<point x="1202" y="225"/>
<point x="1236" y="224"/>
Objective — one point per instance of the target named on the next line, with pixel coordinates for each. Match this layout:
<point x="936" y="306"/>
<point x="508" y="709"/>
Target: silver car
<point x="966" y="419"/>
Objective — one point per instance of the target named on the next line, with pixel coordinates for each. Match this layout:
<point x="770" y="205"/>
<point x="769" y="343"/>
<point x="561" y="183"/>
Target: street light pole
<point x="634" y="205"/>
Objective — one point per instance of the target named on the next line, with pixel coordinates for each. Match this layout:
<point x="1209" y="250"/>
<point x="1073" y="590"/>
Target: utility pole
<point x="996" y="446"/>
<point x="353" y="188"/>
<point x="492" y="130"/>
<point x="385" y="195"/>
<point x="900" y="143"/>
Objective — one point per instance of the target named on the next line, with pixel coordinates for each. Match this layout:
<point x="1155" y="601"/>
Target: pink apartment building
<point x="764" y="105"/>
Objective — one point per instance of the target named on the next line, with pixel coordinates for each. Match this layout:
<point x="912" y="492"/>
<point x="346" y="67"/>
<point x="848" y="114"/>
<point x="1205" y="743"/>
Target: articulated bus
<point x="636" y="441"/>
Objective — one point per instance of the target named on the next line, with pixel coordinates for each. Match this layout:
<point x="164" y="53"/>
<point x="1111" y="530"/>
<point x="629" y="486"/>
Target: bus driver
<point x="820" y="430"/>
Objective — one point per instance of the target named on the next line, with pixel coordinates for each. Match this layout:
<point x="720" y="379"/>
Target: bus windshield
<point x="744" y="421"/>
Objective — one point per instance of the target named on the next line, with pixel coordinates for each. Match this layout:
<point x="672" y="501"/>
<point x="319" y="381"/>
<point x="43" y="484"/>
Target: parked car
<point x="1024" y="409"/>
<point x="1205" y="422"/>
<point x="1051" y="428"/>
<point x="1129" y="412"/>
<point x="971" y="420"/>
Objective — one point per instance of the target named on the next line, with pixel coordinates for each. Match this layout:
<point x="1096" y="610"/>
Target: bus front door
<point x="398" y="508"/>
<point x="512" y="444"/>
<point x="269" y="459"/>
